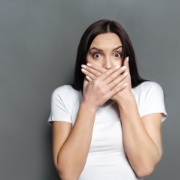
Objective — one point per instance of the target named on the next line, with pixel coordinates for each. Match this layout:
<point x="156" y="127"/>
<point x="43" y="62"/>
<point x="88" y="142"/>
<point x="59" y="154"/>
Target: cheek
<point x="99" y="62"/>
<point x="88" y="59"/>
<point x="117" y="62"/>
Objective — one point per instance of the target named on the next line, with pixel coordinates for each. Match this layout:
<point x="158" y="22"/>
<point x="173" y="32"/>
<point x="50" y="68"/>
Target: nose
<point x="108" y="63"/>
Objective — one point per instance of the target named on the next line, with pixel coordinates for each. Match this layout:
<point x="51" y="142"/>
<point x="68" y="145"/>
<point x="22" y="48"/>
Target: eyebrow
<point x="95" y="48"/>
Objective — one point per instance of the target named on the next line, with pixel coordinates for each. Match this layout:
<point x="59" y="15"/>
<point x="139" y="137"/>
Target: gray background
<point x="38" y="42"/>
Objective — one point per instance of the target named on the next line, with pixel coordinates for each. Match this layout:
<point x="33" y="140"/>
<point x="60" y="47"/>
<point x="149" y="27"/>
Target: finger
<point x="92" y="74"/>
<point x="87" y="73"/>
<point x="88" y="78"/>
<point x="126" y="63"/>
<point x="84" y="84"/>
<point x="116" y="74"/>
<point x="119" y="81"/>
<point x="96" y="68"/>
<point x="108" y="72"/>
<point x="117" y="89"/>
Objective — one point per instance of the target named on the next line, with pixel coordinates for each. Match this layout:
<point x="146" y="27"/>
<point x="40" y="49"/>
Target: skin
<point x="108" y="78"/>
<point x="104" y="53"/>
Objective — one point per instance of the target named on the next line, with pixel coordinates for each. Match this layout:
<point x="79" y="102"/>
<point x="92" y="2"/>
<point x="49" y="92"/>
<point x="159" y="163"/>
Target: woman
<point x="107" y="126"/>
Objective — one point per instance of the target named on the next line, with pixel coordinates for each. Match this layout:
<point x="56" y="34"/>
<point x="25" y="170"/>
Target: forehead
<point x="106" y="39"/>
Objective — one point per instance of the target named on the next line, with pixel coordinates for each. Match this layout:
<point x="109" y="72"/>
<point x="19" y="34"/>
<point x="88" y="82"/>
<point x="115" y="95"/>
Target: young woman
<point x="107" y="125"/>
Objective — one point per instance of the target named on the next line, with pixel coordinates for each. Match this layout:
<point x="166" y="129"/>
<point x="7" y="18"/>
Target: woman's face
<point x="105" y="51"/>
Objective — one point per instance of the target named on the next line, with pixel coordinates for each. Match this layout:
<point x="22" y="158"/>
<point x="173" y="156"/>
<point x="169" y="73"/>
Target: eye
<point x="96" y="55"/>
<point x="117" y="55"/>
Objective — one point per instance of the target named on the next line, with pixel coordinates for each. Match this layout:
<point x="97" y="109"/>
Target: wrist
<point x="87" y="106"/>
<point x="126" y="100"/>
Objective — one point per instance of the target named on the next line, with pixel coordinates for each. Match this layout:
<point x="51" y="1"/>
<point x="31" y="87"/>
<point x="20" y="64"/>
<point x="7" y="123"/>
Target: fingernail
<point x="126" y="73"/>
<point x="123" y="68"/>
<point x="125" y="84"/>
<point x="83" y="70"/>
<point x="88" y="64"/>
<point x="117" y="67"/>
<point x="84" y="66"/>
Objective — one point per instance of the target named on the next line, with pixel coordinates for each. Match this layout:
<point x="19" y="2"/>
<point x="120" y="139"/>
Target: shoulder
<point x="148" y="87"/>
<point x="66" y="93"/>
<point x="65" y="90"/>
<point x="150" y="84"/>
<point x="150" y="98"/>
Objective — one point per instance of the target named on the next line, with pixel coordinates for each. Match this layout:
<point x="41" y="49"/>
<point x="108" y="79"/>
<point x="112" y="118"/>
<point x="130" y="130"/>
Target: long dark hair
<point x="101" y="27"/>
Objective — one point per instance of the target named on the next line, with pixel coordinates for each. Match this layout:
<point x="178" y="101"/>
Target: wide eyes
<point x="99" y="55"/>
<point x="96" y="55"/>
<point x="117" y="55"/>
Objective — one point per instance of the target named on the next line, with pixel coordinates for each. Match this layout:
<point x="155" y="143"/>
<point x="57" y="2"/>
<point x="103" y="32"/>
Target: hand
<point x="93" y="71"/>
<point x="105" y="86"/>
<point x="127" y="91"/>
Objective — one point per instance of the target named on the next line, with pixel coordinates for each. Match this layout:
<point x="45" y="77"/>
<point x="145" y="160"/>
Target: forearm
<point x="72" y="156"/>
<point x="141" y="150"/>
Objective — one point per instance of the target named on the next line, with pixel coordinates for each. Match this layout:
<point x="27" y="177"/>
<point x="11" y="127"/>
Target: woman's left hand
<point x="92" y="71"/>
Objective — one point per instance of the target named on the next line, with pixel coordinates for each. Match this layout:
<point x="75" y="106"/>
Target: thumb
<point x="126" y="62"/>
<point x="85" y="83"/>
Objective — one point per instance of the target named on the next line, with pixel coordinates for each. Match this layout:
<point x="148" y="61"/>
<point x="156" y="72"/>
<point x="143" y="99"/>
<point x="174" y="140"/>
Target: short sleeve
<point x="60" y="111"/>
<point x="153" y="99"/>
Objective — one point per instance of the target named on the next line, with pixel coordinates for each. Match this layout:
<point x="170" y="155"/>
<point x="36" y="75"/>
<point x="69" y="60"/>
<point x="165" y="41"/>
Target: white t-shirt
<point x="106" y="159"/>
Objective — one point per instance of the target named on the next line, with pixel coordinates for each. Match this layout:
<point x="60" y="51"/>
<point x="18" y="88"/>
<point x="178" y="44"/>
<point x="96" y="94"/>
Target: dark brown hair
<point x="101" y="27"/>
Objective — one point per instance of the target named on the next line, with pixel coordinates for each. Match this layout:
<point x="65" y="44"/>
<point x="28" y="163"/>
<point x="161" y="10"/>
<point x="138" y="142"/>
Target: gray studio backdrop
<point x="38" y="42"/>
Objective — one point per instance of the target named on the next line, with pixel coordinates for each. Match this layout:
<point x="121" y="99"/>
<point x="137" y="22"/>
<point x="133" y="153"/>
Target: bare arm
<point x="71" y="144"/>
<point x="141" y="136"/>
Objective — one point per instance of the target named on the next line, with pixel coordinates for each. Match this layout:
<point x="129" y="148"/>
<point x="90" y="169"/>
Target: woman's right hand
<point x="103" y="87"/>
